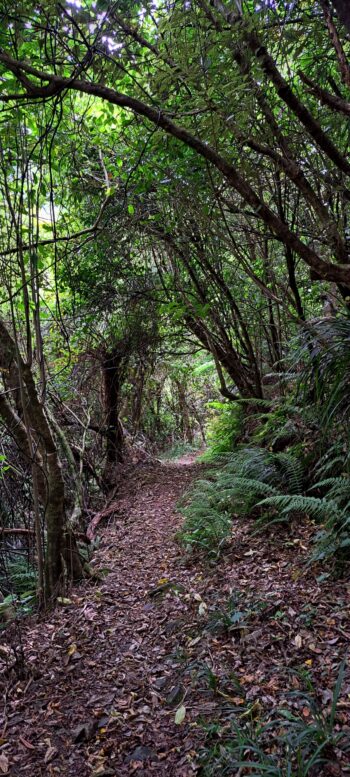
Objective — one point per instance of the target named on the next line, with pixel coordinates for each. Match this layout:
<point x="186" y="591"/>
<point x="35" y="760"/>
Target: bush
<point x="224" y="428"/>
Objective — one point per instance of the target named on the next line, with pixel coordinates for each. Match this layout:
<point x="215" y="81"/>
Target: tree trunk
<point x="343" y="10"/>
<point x="60" y="561"/>
<point x="112" y="383"/>
<point x="247" y="379"/>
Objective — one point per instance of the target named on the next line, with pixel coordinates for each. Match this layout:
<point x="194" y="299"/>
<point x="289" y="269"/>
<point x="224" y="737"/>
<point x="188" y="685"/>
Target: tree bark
<point x="342" y="8"/>
<point x="112" y="367"/>
<point x="62" y="559"/>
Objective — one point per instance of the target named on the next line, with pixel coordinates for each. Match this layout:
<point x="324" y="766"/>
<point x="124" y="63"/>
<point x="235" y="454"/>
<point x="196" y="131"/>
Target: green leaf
<point x="180" y="715"/>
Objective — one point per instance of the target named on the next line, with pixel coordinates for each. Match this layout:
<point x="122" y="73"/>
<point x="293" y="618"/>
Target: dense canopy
<point x="174" y="272"/>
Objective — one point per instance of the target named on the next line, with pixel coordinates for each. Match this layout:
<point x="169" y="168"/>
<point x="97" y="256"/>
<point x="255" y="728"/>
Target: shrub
<point x="224" y="428"/>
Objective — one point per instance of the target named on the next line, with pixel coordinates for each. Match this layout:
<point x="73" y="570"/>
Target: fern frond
<point x="294" y="471"/>
<point x="320" y="509"/>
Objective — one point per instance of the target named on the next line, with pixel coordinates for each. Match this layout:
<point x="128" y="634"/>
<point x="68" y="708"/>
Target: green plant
<point x="224" y="428"/>
<point x="284" y="745"/>
<point x="325" y="354"/>
<point x="178" y="449"/>
<point x="207" y="524"/>
<point x="238" y="484"/>
<point x="236" y="614"/>
<point x="18" y="578"/>
<point x="13" y="606"/>
<point x="280" y="426"/>
<point x="332" y="510"/>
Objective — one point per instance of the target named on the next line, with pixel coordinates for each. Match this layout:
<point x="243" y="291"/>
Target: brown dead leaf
<point x="4" y="764"/>
<point x="50" y="754"/>
<point x="26" y="744"/>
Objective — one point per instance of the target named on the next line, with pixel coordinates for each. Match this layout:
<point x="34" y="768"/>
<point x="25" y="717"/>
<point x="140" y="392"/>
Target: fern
<point x="338" y="489"/>
<point x="18" y="578"/>
<point x="293" y="470"/>
<point x="319" y="509"/>
<point x="237" y="488"/>
<point x="252" y="480"/>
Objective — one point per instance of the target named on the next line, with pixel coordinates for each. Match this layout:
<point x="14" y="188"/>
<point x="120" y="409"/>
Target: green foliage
<point x="325" y="354"/>
<point x="270" y="487"/>
<point x="281" y="424"/>
<point x="235" y="615"/>
<point x="224" y="428"/>
<point x="20" y="579"/>
<point x="282" y="745"/>
<point x="237" y="486"/>
<point x="207" y="522"/>
<point x="178" y="449"/>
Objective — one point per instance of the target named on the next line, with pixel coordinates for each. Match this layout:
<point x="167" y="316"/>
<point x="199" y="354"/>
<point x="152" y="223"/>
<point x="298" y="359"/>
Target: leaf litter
<point x="123" y="675"/>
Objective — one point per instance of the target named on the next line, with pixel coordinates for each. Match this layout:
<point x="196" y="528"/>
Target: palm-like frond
<point x="325" y="352"/>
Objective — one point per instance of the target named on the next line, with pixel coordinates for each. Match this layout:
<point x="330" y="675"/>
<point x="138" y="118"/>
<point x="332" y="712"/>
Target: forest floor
<point x="109" y="669"/>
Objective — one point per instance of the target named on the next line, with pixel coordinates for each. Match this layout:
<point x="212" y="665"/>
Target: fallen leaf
<point x="141" y="753"/>
<point x="51" y="752"/>
<point x="26" y="744"/>
<point x="4" y="764"/>
<point x="202" y="608"/>
<point x="84" y="732"/>
<point x="298" y="641"/>
<point x="180" y="715"/>
<point x="176" y="695"/>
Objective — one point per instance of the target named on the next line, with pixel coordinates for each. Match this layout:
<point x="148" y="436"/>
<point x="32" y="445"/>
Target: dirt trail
<point x="101" y="667"/>
<point x="108" y="669"/>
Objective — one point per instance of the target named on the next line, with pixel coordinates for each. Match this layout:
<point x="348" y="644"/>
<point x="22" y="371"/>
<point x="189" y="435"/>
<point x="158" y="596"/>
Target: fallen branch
<point x="98" y="517"/>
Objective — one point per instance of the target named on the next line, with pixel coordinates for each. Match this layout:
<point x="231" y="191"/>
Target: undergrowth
<point x="236" y="487"/>
<point x="289" y="469"/>
<point x="18" y="582"/>
<point x="280" y="744"/>
<point x="179" y="448"/>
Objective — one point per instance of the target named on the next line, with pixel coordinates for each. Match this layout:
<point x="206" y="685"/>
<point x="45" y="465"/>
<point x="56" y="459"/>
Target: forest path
<point x="107" y="671"/>
<point x="101" y="667"/>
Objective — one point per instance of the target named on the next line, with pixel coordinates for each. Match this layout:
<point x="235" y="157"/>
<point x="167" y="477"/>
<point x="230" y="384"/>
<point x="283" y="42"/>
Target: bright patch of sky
<point x="100" y="18"/>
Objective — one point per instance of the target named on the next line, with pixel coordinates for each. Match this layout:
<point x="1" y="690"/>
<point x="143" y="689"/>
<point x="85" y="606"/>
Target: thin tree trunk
<point x="62" y="559"/>
<point x="112" y="382"/>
